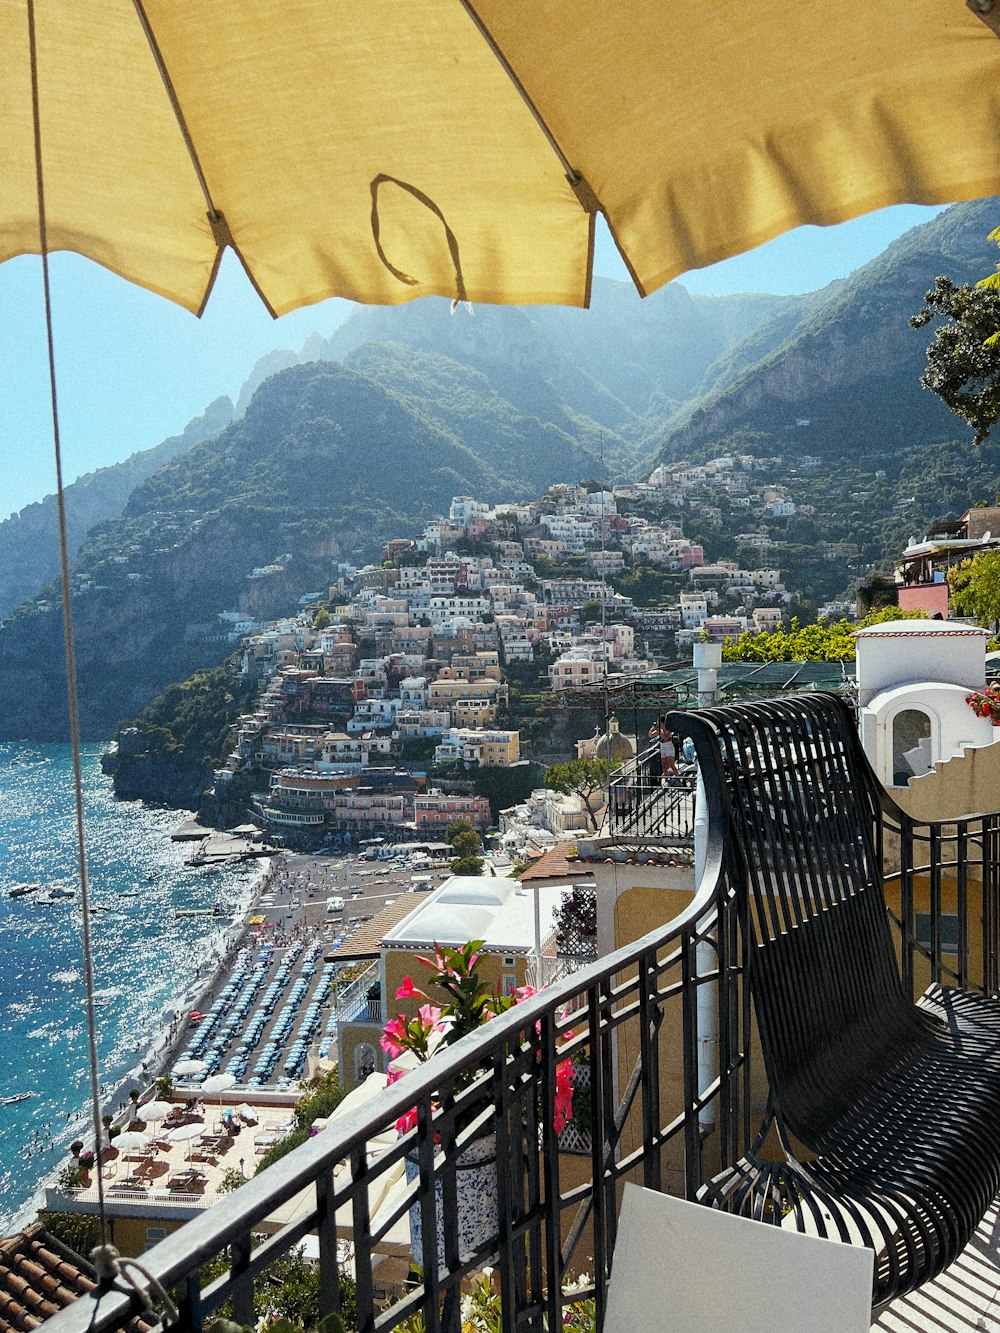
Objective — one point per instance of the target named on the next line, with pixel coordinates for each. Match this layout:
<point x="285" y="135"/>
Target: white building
<point x="913" y="680"/>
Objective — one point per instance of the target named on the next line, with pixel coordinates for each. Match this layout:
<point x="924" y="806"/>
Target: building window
<point x="949" y="931"/>
<point x="153" y="1235"/>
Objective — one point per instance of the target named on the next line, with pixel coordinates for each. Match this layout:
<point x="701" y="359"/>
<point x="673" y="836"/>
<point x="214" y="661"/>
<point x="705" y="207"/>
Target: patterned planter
<point x="476" y="1190"/>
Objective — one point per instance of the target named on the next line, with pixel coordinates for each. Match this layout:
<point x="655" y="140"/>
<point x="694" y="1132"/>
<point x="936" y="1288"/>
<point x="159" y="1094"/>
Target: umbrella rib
<point x="217" y="219"/>
<point x="588" y="200"/>
<point x="214" y="216"/>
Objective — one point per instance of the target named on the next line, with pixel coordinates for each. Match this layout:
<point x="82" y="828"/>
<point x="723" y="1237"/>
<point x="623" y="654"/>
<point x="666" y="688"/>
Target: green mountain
<point x="29" y="540"/>
<point x="325" y="464"/>
<point x="840" y="376"/>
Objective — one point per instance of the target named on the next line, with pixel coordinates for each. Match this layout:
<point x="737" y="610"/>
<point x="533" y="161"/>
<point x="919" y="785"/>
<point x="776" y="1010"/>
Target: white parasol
<point x="132" y="1141"/>
<point x="185" y="1133"/>
<point x="188" y="1067"/>
<point x="154" y="1111"/>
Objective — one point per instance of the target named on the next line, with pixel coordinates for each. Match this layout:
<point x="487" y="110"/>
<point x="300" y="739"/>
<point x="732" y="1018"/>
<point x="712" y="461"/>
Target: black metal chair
<point x="887" y="1112"/>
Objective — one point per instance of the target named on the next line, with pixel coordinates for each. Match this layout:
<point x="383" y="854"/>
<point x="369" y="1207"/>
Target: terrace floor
<point x="187" y="1174"/>
<point x="964" y="1299"/>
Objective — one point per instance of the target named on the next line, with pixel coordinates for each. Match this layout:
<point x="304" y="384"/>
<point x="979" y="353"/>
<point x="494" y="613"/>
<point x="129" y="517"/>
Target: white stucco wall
<point x="952" y="724"/>
<point x="914" y="652"/>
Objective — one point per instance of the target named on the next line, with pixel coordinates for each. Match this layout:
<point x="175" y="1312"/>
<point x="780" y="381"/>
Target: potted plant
<point x="408" y="1042"/>
<point x="986" y="703"/>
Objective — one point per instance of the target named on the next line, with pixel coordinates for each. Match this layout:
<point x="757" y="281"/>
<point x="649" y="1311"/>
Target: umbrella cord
<point x="68" y="639"/>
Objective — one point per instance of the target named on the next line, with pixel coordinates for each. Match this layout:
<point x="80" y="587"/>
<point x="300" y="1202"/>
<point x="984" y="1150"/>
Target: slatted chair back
<point x="803" y="815"/>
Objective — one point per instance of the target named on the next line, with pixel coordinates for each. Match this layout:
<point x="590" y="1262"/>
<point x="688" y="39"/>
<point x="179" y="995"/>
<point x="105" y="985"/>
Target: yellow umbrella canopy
<point x="387" y="149"/>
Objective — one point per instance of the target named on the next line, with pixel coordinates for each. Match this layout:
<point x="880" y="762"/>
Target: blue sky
<point x="134" y="369"/>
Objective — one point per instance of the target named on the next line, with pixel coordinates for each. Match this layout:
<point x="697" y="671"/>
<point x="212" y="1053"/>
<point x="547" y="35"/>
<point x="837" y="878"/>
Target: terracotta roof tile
<point x="559" y="862"/>
<point x="367" y="939"/>
<point x="40" y="1276"/>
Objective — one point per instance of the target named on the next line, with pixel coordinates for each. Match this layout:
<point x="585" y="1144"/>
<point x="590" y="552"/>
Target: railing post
<point x="991" y="845"/>
<point x="648" y="1053"/>
<point x="907" y="942"/>
<point x="935" y="903"/>
<point x="962" y="903"/>
<point x="689" y="1038"/>
<point x="326" y="1228"/>
<point x="243" y="1311"/>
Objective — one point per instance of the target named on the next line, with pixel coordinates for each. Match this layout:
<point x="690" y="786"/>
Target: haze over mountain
<point x="367" y="433"/>
<point x="29" y="540"/>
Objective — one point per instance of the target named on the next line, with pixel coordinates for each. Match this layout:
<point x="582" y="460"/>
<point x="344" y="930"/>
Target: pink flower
<point x="392" y="1075"/>
<point x="393" y="1037"/>
<point x="408" y="991"/>
<point x="430" y="1016"/>
<point x="563" y="1110"/>
<point x="407" y="1121"/>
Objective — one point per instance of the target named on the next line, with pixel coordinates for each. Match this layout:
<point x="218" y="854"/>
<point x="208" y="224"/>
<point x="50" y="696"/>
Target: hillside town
<point x="403" y="666"/>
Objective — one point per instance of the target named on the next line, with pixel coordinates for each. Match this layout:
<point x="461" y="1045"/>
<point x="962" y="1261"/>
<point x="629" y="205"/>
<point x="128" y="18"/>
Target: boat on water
<point x="58" y="893"/>
<point x="15" y="1097"/>
<point x="22" y="890"/>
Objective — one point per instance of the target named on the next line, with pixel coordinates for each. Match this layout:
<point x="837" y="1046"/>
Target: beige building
<point x="500" y="912"/>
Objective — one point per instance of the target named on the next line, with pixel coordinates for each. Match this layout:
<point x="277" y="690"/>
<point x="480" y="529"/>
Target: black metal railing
<point x="643" y="804"/>
<point x="663" y="1029"/>
<point x="943" y="894"/>
<point x="640" y="1022"/>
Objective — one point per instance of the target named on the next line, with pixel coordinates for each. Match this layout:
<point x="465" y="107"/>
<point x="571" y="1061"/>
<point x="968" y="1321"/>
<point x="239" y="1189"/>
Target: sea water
<point x="149" y="964"/>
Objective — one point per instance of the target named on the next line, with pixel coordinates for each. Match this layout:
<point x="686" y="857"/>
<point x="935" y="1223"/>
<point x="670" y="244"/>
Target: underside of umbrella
<point x="382" y="151"/>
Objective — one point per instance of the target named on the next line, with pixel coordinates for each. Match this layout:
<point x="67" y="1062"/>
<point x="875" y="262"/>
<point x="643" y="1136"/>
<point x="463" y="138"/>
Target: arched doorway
<point x="364" y="1061"/>
<point x="911" y="745"/>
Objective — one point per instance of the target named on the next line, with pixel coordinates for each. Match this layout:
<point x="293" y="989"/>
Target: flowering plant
<point x="986" y="703"/>
<point x="469" y="1005"/>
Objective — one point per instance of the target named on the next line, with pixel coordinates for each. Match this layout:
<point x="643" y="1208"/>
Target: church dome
<point x="614" y="745"/>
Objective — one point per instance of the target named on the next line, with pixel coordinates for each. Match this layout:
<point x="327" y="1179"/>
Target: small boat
<point x="15" y="1097"/>
<point x="22" y="890"/>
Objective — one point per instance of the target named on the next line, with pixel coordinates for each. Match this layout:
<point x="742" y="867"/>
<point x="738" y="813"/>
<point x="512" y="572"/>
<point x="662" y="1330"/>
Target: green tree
<point x="974" y="587"/>
<point x="963" y="358"/>
<point x="456" y="827"/>
<point x="586" y="778"/>
<point x="321" y="619"/>
<point x="822" y="642"/>
<point x="467" y="846"/>
<point x="79" y="1232"/>
<point x="590" y="612"/>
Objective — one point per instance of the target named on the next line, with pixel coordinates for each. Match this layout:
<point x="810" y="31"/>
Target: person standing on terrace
<point x="668" y="750"/>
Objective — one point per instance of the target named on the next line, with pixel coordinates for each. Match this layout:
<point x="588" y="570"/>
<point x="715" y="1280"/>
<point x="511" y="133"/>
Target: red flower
<point x="407" y="1121"/>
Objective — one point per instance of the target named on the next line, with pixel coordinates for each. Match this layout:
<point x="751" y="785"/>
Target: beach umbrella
<point x="468" y="144"/>
<point x="154" y="1111"/>
<point x="188" y="1067"/>
<point x="185" y="1133"/>
<point x="218" y="1083"/>
<point x="132" y="1141"/>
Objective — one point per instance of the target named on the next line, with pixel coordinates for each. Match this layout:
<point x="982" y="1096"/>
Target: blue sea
<point x="145" y="957"/>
